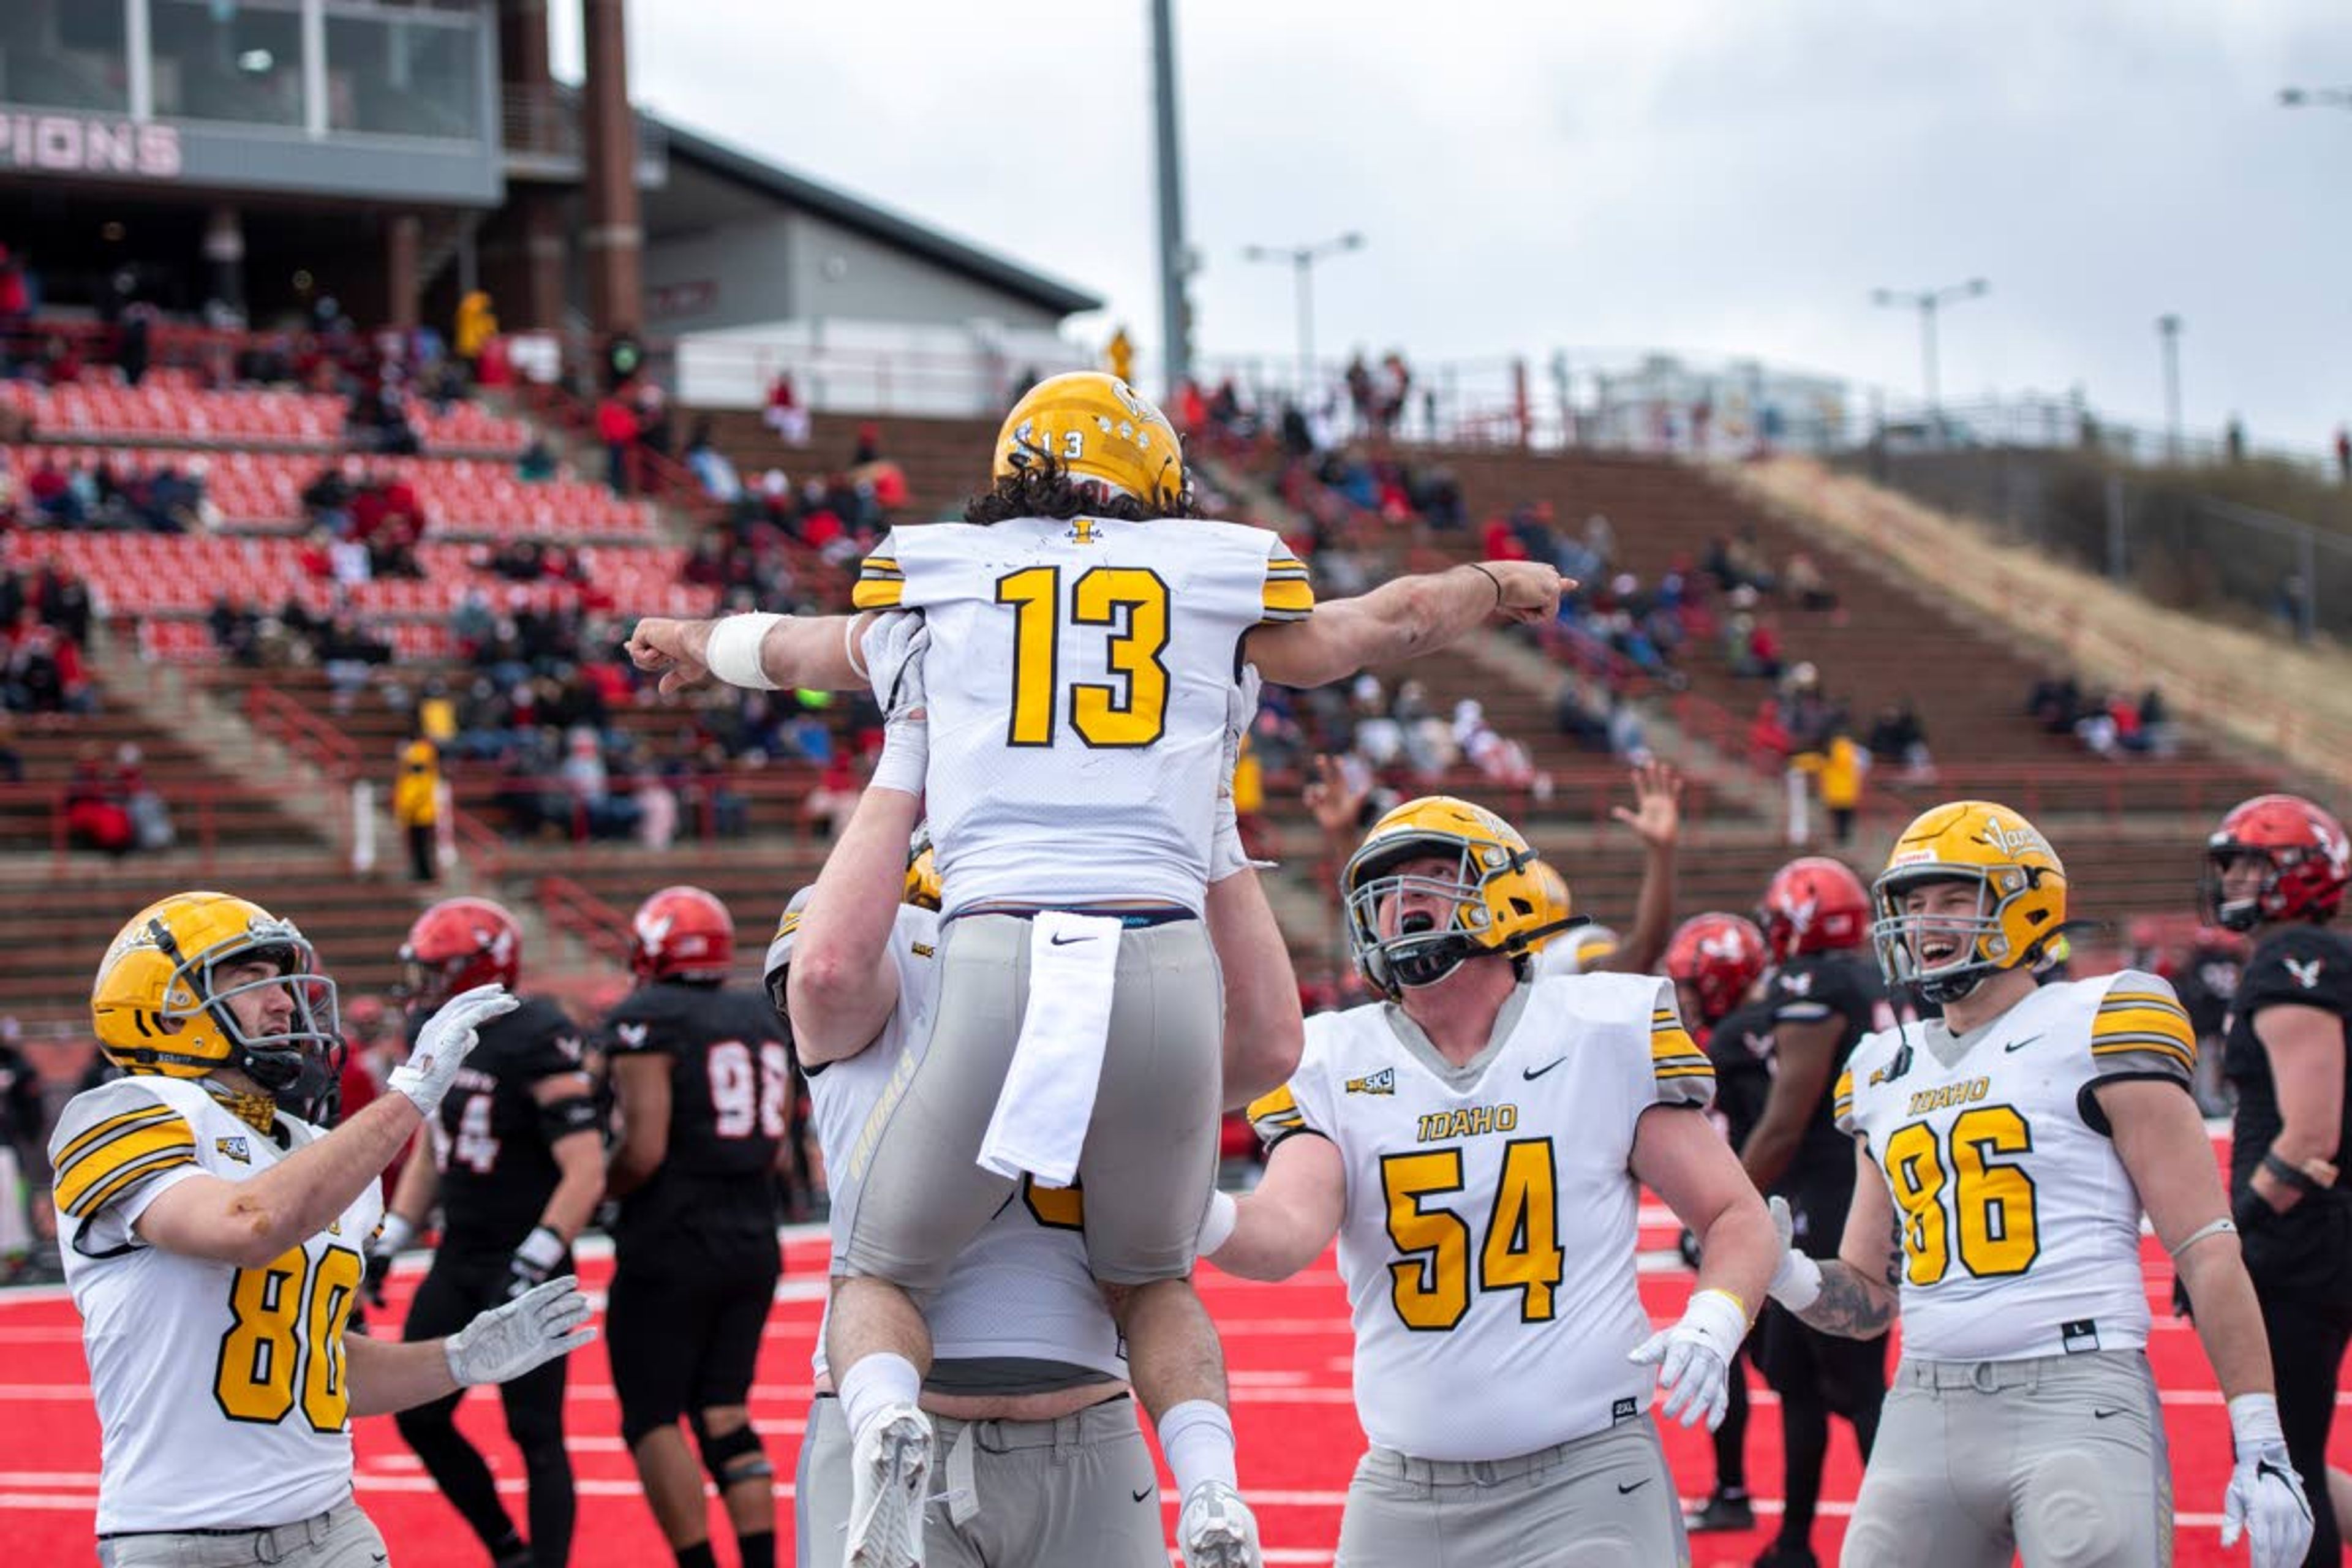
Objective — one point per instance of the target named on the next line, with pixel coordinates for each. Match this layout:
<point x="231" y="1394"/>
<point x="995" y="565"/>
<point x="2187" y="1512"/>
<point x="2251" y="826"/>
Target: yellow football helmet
<point x="922" y="871"/>
<point x="1505" y="901"/>
<point x="1097" y="428"/>
<point x="2020" y="912"/>
<point x="157" y="1009"/>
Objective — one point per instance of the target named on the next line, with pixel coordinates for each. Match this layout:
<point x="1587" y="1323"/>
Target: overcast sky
<point x="1716" y="178"/>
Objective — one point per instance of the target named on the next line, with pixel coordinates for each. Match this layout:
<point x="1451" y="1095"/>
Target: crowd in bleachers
<point x="2114" y="725"/>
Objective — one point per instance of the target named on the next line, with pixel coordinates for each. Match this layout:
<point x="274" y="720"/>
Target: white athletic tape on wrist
<point x="1797" y="1282"/>
<point x="1217" y="1225"/>
<point x="2254" y="1421"/>
<point x="905" y="758"/>
<point x="733" y="654"/>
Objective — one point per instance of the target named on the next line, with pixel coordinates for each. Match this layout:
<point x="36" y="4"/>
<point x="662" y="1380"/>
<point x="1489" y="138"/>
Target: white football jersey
<point x="2019" y="1227"/>
<point x="1021" y="1288"/>
<point x="221" y="1395"/>
<point x="1078" y="683"/>
<point x="1489" y="1237"/>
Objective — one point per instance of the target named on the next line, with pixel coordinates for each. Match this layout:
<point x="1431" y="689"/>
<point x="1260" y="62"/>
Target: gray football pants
<point x="2059" y="1459"/>
<point x="1604" y="1502"/>
<point x="343" y="1537"/>
<point x="1079" y="1493"/>
<point x="1150" y="1151"/>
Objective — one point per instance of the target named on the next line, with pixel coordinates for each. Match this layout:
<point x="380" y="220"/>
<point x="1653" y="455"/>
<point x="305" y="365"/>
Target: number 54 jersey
<point x="1078" y="680"/>
<point x="2018" y="1224"/>
<point x="1489" y="1231"/>
<point x="220" y="1390"/>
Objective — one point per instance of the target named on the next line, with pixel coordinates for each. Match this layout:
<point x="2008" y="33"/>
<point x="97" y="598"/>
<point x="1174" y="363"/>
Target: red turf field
<point x="1287" y="1345"/>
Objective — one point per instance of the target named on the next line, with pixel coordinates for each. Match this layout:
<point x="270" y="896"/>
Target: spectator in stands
<point x="1806" y="587"/>
<point x="656" y="808"/>
<point x="150" y="821"/>
<point x="12" y="765"/>
<point x="476" y="325"/>
<point x="15" y="296"/>
<point x="63" y="600"/>
<point x="1599" y="542"/>
<point x="416" y="806"/>
<point x="784" y="414"/>
<point x="133" y="341"/>
<point x="2055" y="703"/>
<point x="349" y="653"/>
<point x="616" y="427"/>
<point x="2344" y="454"/>
<point x="711" y="469"/>
<point x="1897" y="737"/>
<point x="96" y="818"/>
<point x="652" y="406"/>
<point x="1627" y="738"/>
<point x="1769" y="741"/>
<point x="2096" y="729"/>
<point x="1839" y="769"/>
<point x="1582" y="714"/>
<point x="2156" y="727"/>
<point x="537" y="465"/>
<point x="50" y="490"/>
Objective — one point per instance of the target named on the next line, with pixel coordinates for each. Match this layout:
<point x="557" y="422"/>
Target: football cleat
<point x="890" y="1465"/>
<point x="1724" y="1509"/>
<point x="1217" y="1530"/>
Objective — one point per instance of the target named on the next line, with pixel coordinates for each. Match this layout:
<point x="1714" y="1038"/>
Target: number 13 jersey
<point x="1077" y="680"/>
<point x="2018" y="1225"/>
<point x="1489" y="1230"/>
<point x="220" y="1390"/>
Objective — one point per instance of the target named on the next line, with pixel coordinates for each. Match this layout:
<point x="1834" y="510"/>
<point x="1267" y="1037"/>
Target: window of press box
<point x="403" y="77"/>
<point x="238" y="61"/>
<point x="64" y="54"/>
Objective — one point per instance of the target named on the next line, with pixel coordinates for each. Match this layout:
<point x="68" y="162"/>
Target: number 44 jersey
<point x="1077" y="681"/>
<point x="2019" y="1225"/>
<point x="1488" y="1236"/>
<point x="220" y="1390"/>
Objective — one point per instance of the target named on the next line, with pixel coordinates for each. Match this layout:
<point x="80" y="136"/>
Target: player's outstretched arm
<point x="812" y="652"/>
<point x="251" y="1223"/>
<point x="1401" y="619"/>
<point x="499" y="1346"/>
<point x="1284" y="1223"/>
<point x="1854" y="1294"/>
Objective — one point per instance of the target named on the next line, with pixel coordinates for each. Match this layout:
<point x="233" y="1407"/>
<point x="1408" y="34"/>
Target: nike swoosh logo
<point x="2103" y="1414"/>
<point x="1531" y="1074"/>
<point x="1146" y="1494"/>
<point x="2021" y="1045"/>
<point x="1067" y="940"/>
<point x="1637" y="1486"/>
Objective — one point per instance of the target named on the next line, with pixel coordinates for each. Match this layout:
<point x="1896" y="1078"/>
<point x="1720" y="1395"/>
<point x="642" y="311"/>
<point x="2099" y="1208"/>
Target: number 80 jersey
<point x="1077" y="681"/>
<point x="220" y="1390"/>
<point x="1488" y="1236"/>
<point x="2018" y="1226"/>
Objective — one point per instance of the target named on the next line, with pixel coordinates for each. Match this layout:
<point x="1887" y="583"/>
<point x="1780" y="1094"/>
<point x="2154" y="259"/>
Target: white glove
<point x="544" y="1323"/>
<point x="1796" y="1279"/>
<point x="1226" y="855"/>
<point x="894" y="648"/>
<point x="2265" y="1502"/>
<point x="1693" y="1357"/>
<point x="442" y="1044"/>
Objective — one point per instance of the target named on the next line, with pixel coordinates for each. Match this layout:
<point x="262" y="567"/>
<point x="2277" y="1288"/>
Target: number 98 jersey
<point x="2018" y="1226"/>
<point x="1488" y="1236"/>
<point x="1077" y="685"/>
<point x="220" y="1390"/>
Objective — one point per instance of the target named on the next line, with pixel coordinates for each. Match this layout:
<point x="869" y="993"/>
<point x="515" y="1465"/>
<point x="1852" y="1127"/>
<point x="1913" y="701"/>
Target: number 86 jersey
<point x="220" y="1390"/>
<point x="2018" y="1226"/>
<point x="1488" y="1236"/>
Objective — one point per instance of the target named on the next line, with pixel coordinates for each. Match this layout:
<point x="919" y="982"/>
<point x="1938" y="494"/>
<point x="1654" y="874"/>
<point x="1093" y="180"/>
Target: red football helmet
<point x="458" y="945"/>
<point x="1814" y="905"/>
<point x="1717" y="956"/>
<point x="681" y="933"/>
<point x="2309" y="858"/>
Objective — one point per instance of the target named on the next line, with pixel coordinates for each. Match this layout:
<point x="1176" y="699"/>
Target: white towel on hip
<point x="1040" y="1122"/>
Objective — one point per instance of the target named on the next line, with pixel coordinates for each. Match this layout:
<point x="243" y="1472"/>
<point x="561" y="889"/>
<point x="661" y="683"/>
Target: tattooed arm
<point x="1856" y="1294"/>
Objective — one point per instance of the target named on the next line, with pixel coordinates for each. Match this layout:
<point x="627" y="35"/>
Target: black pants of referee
<point x="459" y="1286"/>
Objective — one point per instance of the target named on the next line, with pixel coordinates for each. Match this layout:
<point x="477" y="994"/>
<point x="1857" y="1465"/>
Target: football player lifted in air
<point x="704" y="1090"/>
<point x="213" y="1243"/>
<point x="517" y="1167"/>
<point x="2004" y="1155"/>
<point x="1477" y="1140"/>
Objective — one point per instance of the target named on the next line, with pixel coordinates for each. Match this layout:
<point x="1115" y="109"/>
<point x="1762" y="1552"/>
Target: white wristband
<point x="905" y="758"/>
<point x="1217" y="1225"/>
<point x="1797" y="1282"/>
<point x="542" y="1249"/>
<point x="733" y="654"/>
<point x="2254" y="1422"/>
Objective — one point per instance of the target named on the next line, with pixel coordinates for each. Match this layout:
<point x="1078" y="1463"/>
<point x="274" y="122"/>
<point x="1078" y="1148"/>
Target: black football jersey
<point x="489" y="1141"/>
<point x="1740" y="1047"/>
<point x="1809" y="990"/>
<point x="730" y="1101"/>
<point x="2301" y="965"/>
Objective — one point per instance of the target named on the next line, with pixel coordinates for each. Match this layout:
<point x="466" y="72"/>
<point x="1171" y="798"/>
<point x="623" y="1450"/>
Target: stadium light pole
<point x="1301" y="259"/>
<point x="2167" y="331"/>
<point x="1928" y="302"/>
<point x="1175" y="255"/>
